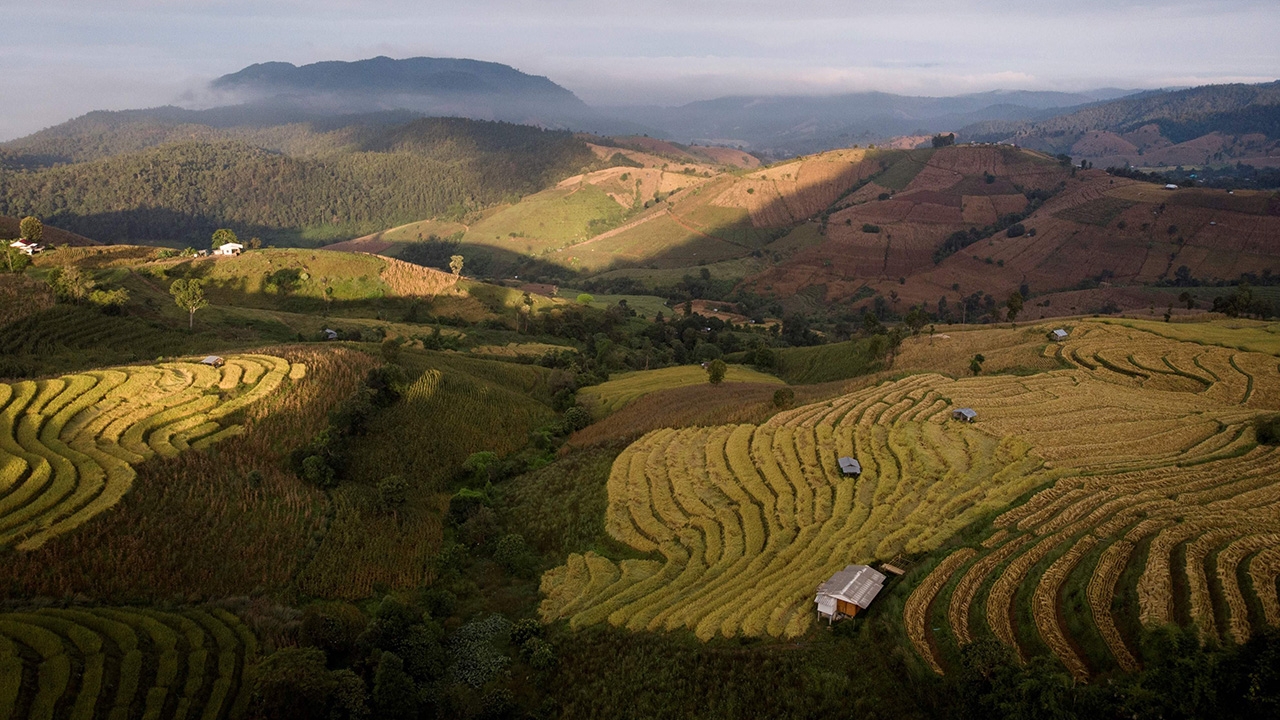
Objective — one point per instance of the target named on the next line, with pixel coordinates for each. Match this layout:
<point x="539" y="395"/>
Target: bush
<point x="393" y="490"/>
<point x="1268" y="430"/>
<point x="576" y="418"/>
<point x="1015" y="230"/>
<point x="783" y="397"/>
<point x="869" y="228"/>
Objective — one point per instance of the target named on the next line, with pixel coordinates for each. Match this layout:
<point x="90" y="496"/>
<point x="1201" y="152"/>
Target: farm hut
<point x="850" y="467"/>
<point x="1170" y="186"/>
<point x="229" y="249"/>
<point x="964" y="414"/>
<point x="23" y="246"/>
<point x="848" y="591"/>
<point x="1058" y="335"/>
<point x="213" y="361"/>
<point x="330" y="334"/>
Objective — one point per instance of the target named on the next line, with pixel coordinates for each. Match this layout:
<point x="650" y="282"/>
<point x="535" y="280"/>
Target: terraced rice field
<point x="1145" y="436"/>
<point x="68" y="445"/>
<point x="612" y="396"/>
<point x="121" y="663"/>
<point x="1170" y="486"/>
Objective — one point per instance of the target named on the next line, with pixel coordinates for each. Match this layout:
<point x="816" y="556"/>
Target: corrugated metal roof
<point x="849" y="465"/>
<point x="857" y="584"/>
<point x="1060" y="333"/>
<point x="967" y="412"/>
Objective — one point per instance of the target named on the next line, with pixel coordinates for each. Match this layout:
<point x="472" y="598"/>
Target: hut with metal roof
<point x="964" y="414"/>
<point x="850" y="466"/>
<point x="1058" y="335"/>
<point x="848" y="592"/>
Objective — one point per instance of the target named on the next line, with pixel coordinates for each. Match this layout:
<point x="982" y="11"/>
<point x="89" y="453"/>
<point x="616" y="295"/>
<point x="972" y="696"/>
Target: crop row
<point x="68" y="445"/>
<point x="121" y="663"/>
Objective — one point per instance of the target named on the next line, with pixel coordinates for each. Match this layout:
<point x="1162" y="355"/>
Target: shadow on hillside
<point x="170" y="228"/>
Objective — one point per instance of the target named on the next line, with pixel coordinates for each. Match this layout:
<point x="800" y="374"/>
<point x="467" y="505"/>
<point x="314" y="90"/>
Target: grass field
<point x="825" y="363"/>
<point x="456" y="406"/>
<point x="621" y="389"/>
<point x="547" y="221"/>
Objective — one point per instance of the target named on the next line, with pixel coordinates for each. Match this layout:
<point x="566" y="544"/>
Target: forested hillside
<point x="183" y="191"/>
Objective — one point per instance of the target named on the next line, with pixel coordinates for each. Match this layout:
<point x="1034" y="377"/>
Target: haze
<point x="63" y="58"/>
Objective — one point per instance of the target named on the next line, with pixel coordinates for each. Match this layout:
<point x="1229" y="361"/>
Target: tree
<point x="1187" y="298"/>
<point x="222" y="236"/>
<point x="975" y="365"/>
<point x="394" y="694"/>
<point x="783" y="397"/>
<point x="189" y="295"/>
<point x="940" y="141"/>
<point x="1014" y="304"/>
<point x="716" y="370"/>
<point x="585" y="299"/>
<point x="455" y="264"/>
<point x="31" y="229"/>
<point x="15" y="259"/>
<point x="393" y="490"/>
<point x="71" y="284"/>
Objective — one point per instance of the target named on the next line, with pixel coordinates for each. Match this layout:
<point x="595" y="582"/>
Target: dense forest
<point x="183" y="191"/>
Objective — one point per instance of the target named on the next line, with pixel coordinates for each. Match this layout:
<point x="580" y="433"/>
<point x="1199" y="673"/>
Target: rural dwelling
<point x="23" y="246"/>
<point x="848" y="591"/>
<point x="850" y="467"/>
<point x="1058" y="335"/>
<point x="964" y="414"/>
<point x="213" y="361"/>
<point x="330" y="334"/>
<point x="229" y="249"/>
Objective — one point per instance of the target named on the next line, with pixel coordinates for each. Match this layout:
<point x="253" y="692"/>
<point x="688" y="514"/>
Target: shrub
<point x="869" y="228"/>
<point x="392" y="490"/>
<point x="783" y="397"/>
<point x="1015" y="230"/>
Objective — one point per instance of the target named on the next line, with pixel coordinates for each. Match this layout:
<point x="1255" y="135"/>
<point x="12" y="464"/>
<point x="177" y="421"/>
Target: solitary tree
<point x="716" y="370"/>
<point x="189" y="295"/>
<point x="1015" y="305"/>
<point x="975" y="365"/>
<point x="31" y="229"/>
<point x="1187" y="298"/>
<point x="393" y="490"/>
<point x="455" y="264"/>
<point x="222" y="236"/>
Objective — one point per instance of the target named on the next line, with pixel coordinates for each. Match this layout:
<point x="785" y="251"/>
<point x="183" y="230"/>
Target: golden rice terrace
<point x="1144" y="453"/>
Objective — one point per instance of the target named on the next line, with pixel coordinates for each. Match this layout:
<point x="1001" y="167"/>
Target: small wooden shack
<point x="213" y="361"/>
<point x="850" y="466"/>
<point x="848" y="592"/>
<point x="964" y="414"/>
<point x="1058" y="335"/>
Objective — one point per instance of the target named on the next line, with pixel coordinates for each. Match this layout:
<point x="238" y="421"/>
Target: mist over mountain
<point x="431" y="86"/>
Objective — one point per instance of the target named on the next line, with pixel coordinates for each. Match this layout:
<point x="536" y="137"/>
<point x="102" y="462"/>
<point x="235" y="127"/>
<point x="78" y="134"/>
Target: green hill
<point x="346" y="185"/>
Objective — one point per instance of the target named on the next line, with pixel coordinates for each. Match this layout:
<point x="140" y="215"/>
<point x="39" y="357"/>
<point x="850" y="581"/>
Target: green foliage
<point x="71" y="284"/>
<point x="576" y="418"/>
<point x="294" y="683"/>
<point x="784" y="397"/>
<point x="939" y="141"/>
<point x="109" y="301"/>
<point x="1014" y="305"/>
<point x="222" y="236"/>
<point x="440" y="166"/>
<point x="715" y="371"/>
<point x="455" y="264"/>
<point x="585" y="299"/>
<point x="15" y="261"/>
<point x="188" y="294"/>
<point x="870" y="228"/>
<point x="836" y="361"/>
<point x="31" y="229"/>
<point x="392" y="490"/>
<point x="395" y="696"/>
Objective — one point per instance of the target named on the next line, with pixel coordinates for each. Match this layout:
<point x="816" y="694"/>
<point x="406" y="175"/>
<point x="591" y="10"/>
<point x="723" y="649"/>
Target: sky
<point x="62" y="58"/>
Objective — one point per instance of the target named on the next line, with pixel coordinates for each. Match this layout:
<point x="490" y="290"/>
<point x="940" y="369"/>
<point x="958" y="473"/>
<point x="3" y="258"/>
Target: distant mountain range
<point x="1202" y="125"/>
<point x="1211" y="124"/>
